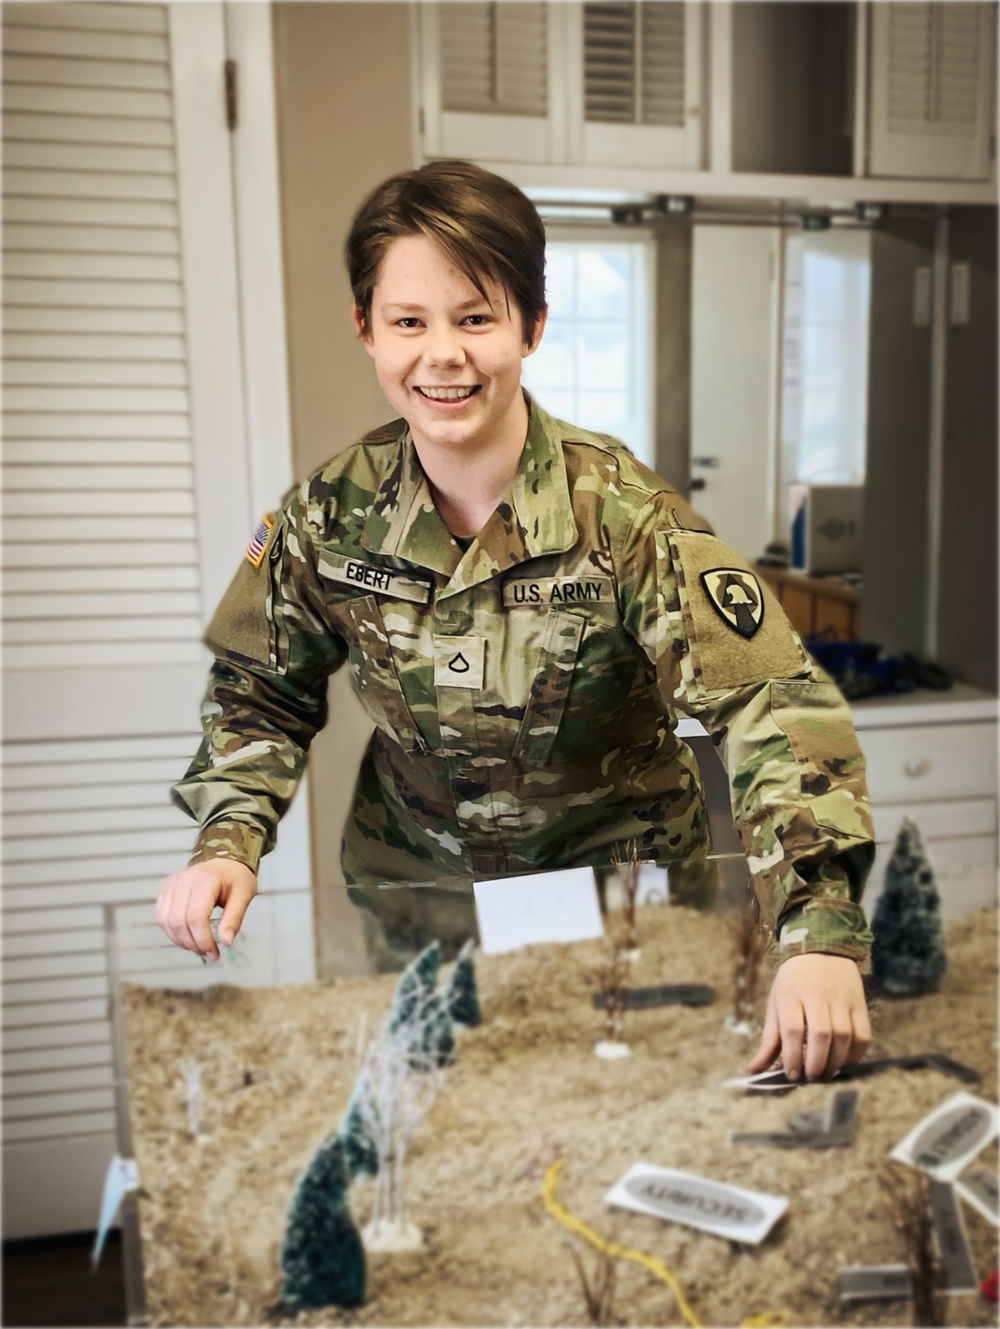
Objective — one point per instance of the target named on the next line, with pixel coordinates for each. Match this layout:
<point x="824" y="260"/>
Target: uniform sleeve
<point x="266" y="698"/>
<point x="725" y="654"/>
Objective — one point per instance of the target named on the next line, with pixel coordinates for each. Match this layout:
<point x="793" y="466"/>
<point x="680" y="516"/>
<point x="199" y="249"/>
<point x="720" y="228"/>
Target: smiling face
<point x="448" y="359"/>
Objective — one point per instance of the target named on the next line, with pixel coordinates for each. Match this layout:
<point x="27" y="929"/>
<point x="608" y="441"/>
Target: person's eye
<point x="408" y="322"/>
<point x="479" y="320"/>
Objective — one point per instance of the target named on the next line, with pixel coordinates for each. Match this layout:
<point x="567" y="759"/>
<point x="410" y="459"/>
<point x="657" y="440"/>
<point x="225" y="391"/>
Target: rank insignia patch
<point x="736" y="597"/>
<point x="258" y="541"/>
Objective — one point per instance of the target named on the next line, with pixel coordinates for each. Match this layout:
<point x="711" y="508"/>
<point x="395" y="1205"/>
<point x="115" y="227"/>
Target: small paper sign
<point x="877" y="1282"/>
<point x="711" y="1206"/>
<point x="953" y="1134"/>
<point x="546" y="906"/>
<point x="654" y="886"/>
<point x="980" y="1188"/>
<point x="122" y="1177"/>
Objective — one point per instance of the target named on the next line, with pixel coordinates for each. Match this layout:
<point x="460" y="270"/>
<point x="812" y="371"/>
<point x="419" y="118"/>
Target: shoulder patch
<point x="736" y="631"/>
<point x="735" y="593"/>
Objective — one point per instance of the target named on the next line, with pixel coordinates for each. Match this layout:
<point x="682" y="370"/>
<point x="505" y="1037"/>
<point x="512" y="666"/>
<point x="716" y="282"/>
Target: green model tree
<point x="322" y="1256"/>
<point x="360" y="1149"/>
<point x="418" y="1016"/>
<point x="908" y="956"/>
<point x="417" y="982"/>
<point x="461" y="997"/>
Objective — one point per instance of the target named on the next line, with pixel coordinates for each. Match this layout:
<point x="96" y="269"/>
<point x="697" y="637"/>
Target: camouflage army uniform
<point x="525" y="693"/>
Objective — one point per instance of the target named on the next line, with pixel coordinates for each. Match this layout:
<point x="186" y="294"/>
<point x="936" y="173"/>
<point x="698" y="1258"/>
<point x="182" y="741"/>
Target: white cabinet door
<point x="932" y="90"/>
<point x="635" y="83"/>
<point x="492" y="79"/>
<point x="127" y="506"/>
<point x="604" y="84"/>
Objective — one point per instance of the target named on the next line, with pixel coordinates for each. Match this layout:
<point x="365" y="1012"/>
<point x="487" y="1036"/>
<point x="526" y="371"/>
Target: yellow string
<point x="574" y="1224"/>
<point x="765" y="1320"/>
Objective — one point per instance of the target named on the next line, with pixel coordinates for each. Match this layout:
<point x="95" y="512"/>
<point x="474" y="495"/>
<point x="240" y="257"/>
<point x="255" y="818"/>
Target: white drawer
<point x="929" y="762"/>
<point x="937" y="821"/>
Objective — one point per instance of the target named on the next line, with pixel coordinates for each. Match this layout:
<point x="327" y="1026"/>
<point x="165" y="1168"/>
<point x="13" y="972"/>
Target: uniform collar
<point x="534" y="518"/>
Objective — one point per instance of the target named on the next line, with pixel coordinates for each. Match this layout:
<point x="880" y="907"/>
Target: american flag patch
<point x="258" y="541"/>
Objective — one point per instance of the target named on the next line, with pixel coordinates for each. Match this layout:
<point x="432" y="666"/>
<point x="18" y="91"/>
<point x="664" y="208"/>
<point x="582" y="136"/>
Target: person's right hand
<point x="186" y="901"/>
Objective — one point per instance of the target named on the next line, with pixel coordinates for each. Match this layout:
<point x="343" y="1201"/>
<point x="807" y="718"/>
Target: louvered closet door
<point x="636" y="84"/>
<point x="492" y="78"/>
<point x="932" y="90"/>
<point x="123" y="426"/>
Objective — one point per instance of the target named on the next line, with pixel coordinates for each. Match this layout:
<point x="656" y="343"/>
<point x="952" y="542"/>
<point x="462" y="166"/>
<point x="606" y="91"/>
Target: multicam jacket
<point x="525" y="692"/>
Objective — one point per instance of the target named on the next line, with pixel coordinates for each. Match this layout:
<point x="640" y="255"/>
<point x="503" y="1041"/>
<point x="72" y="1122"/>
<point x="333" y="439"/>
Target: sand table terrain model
<point x="523" y="1089"/>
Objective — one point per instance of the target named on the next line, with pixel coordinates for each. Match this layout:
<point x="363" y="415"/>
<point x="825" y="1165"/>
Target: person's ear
<point x="531" y="344"/>
<point x="364" y="334"/>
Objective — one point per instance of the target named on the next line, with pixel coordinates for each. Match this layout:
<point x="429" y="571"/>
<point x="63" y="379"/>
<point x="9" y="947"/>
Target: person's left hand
<point x="816" y="1015"/>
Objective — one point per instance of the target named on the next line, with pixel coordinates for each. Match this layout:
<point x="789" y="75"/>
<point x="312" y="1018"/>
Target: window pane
<point x="552" y="365"/>
<point x="603" y="355"/>
<point x="560" y="281"/>
<point x="603" y="283"/>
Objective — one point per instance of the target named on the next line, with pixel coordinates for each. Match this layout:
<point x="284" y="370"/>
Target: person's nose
<point x="443" y="346"/>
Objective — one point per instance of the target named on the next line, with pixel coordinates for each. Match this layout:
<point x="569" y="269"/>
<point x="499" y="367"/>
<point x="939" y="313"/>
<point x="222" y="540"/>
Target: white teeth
<point x="447" y="394"/>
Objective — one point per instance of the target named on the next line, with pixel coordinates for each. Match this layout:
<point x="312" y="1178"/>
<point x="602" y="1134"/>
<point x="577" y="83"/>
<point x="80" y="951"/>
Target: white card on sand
<point x="944" y="1142"/>
<point x="979" y="1187"/>
<point x="546" y="906"/>
<point x="712" y="1206"/>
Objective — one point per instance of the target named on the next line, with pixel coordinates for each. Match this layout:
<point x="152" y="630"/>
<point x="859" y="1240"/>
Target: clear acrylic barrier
<point x="277" y="1028"/>
<point x="294" y="937"/>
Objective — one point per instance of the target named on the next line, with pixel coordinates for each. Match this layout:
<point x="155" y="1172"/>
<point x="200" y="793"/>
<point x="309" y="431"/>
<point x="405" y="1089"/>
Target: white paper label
<point x="546" y="906"/>
<point x="712" y="1206"/>
<point x="979" y="1187"/>
<point x="946" y="1140"/>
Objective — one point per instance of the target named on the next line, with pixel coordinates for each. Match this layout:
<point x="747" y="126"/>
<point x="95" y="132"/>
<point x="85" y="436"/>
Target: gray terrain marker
<point x="667" y="994"/>
<point x="952" y="1243"/>
<point x="877" y="1282"/>
<point x="981" y="1189"/>
<point x="830" y="1129"/>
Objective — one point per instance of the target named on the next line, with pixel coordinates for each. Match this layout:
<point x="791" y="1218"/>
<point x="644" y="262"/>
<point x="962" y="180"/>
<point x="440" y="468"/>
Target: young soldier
<point x="525" y="609"/>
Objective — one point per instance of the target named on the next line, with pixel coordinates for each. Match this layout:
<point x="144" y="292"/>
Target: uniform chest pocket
<point x="553" y="675"/>
<point x="375" y="679"/>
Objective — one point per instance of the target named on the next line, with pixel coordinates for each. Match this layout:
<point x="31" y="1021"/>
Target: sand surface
<point x="278" y="1065"/>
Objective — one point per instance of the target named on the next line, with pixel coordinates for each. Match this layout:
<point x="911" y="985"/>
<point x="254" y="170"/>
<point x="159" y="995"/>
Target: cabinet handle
<point x="916" y="768"/>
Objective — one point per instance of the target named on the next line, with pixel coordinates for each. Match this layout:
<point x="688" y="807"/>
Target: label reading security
<point x="540" y="592"/>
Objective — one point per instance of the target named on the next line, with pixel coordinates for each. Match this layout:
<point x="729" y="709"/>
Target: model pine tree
<point x="322" y="1257"/>
<point x="462" y="997"/>
<point x="908" y="957"/>
<point x="360" y="1150"/>
<point x="417" y="1005"/>
<point x="416" y="983"/>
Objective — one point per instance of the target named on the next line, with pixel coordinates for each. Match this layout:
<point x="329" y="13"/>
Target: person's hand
<point x="816" y="1015"/>
<point x="186" y="901"/>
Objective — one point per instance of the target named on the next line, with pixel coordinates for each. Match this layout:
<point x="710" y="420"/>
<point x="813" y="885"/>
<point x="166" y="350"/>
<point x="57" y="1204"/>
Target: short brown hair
<point x="485" y="225"/>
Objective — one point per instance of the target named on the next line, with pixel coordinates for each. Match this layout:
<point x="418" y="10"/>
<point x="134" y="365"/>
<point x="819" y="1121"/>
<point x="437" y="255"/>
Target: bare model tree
<point x="908" y="1195"/>
<point x="402" y="1075"/>
<point x="612" y="984"/>
<point x="749" y="946"/>
<point x="599" y="1291"/>
<point x="627" y="873"/>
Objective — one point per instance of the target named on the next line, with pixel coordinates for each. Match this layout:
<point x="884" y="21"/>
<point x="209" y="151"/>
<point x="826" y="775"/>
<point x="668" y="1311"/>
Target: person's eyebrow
<point x="417" y="309"/>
